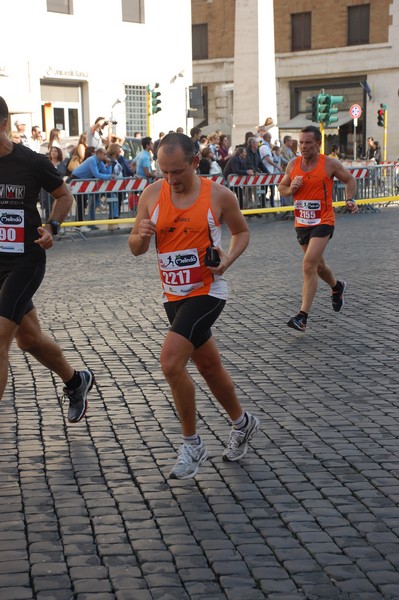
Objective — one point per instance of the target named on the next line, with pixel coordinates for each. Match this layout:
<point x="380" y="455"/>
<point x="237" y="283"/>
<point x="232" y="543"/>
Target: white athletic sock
<point x="194" y="440"/>
<point x="241" y="422"/>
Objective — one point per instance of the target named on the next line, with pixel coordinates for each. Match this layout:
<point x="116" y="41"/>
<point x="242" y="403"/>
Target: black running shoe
<point x="338" y="298"/>
<point x="298" y="322"/>
<point x="78" y="398"/>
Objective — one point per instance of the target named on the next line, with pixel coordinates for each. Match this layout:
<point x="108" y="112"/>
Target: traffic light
<point x="322" y="107"/>
<point x="312" y="116"/>
<point x="332" y="110"/>
<point x="155" y="101"/>
<point x="381" y="115"/>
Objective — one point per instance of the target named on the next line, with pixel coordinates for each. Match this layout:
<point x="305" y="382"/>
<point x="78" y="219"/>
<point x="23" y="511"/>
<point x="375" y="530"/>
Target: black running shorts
<point x="303" y="234"/>
<point x="193" y="317"/>
<point x="17" y="287"/>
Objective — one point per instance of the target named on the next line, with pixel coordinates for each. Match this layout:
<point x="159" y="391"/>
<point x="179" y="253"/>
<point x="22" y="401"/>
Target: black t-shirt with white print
<point x="22" y="174"/>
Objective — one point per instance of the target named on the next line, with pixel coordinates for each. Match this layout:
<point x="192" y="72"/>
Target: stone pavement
<point x="86" y="510"/>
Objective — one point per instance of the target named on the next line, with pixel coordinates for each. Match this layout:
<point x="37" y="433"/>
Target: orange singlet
<point x="313" y="201"/>
<point x="182" y="238"/>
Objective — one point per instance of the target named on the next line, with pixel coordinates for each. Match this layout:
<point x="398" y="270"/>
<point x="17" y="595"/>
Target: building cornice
<point x="333" y="51"/>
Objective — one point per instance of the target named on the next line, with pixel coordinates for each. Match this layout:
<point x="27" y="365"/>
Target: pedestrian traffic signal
<point x="155" y="100"/>
<point x="381" y="116"/>
<point x="312" y="116"/>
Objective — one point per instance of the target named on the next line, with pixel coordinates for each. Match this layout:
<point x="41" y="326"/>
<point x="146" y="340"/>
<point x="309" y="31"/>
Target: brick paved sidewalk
<point x="86" y="511"/>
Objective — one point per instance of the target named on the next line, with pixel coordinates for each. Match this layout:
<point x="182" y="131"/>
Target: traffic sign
<point x="355" y="111"/>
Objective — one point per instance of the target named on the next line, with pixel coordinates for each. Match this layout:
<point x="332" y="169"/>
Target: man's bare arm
<point x="343" y="175"/>
<point x="288" y="186"/>
<point x="231" y="214"/>
<point x="63" y="203"/>
<point x="61" y="207"/>
<point x="144" y="228"/>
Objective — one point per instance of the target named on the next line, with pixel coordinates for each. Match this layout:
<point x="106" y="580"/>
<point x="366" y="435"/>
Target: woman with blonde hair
<point x="54" y="139"/>
<point x="15" y="137"/>
<point x="213" y="144"/>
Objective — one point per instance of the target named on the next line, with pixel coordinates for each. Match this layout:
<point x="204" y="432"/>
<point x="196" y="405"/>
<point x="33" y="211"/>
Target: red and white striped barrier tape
<point x="358" y="173"/>
<point x="249" y="180"/>
<point x="91" y="186"/>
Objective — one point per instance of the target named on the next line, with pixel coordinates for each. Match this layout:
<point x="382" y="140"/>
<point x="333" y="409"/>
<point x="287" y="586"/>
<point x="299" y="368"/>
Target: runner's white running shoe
<point x="237" y="446"/>
<point x="189" y="459"/>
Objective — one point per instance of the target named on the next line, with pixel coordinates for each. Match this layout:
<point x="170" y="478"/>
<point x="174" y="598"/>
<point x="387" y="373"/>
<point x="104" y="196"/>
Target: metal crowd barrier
<point x="377" y="182"/>
<point x="98" y="202"/>
<point x="361" y="174"/>
<point x="377" y="185"/>
<point x="251" y="190"/>
<point x="124" y="192"/>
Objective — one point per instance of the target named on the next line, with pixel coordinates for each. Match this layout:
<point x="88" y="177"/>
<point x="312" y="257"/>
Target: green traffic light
<point x="336" y="99"/>
<point x="322" y="107"/>
<point x="312" y="116"/>
<point x="155" y="101"/>
<point x="331" y="109"/>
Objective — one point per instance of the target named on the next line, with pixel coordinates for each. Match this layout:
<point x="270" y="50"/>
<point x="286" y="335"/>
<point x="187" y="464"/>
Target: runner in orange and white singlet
<point x="310" y="179"/>
<point x="181" y="247"/>
<point x="184" y="213"/>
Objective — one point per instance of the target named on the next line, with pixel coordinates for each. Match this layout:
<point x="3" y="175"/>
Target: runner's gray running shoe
<point x="237" y="446"/>
<point x="189" y="459"/>
<point x="78" y="397"/>
<point x="338" y="298"/>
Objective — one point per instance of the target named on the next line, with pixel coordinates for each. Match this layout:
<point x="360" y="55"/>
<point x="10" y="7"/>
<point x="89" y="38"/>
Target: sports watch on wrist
<point x="55" y="226"/>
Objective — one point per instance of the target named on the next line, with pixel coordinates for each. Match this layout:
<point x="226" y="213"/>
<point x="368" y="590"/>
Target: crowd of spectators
<point x="99" y="154"/>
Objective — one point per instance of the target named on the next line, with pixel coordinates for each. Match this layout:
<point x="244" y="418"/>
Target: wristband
<point x="55" y="226"/>
<point x="350" y="200"/>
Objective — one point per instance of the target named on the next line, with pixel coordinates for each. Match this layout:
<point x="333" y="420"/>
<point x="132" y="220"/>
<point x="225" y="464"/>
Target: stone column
<point x="254" y="68"/>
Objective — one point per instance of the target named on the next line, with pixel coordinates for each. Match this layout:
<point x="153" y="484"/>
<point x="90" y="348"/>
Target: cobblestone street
<point x="312" y="511"/>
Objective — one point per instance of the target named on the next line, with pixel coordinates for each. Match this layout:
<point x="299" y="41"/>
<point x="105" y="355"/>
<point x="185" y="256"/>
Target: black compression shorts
<point x="303" y="234"/>
<point x="17" y="287"/>
<point x="193" y="317"/>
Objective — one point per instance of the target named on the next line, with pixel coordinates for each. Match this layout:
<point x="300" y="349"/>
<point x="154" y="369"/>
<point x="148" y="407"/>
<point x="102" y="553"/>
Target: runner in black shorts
<point x="17" y="288"/>
<point x="310" y="179"/>
<point x="304" y="234"/>
<point x="184" y="212"/>
<point x="193" y="317"/>
<point x="23" y="242"/>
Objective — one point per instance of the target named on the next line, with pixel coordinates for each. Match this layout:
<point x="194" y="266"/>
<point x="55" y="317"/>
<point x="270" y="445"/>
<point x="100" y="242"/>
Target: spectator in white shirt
<point x="36" y="140"/>
<point x="21" y="127"/>
<point x="265" y="151"/>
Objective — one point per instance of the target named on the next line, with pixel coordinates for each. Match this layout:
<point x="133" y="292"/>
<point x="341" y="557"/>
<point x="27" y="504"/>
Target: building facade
<point x="347" y="48"/>
<point x="78" y="60"/>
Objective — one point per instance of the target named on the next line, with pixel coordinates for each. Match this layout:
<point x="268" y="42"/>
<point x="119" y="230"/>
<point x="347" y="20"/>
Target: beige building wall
<point x="216" y="73"/>
<point x="377" y="61"/>
<point x="329" y="21"/>
<point x="236" y="78"/>
<point x="220" y="16"/>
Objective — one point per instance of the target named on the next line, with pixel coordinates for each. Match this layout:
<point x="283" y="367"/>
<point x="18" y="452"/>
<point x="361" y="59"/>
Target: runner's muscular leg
<point x="30" y="338"/>
<point x="175" y="354"/>
<point x="313" y="255"/>
<point x="325" y="273"/>
<point x="208" y="362"/>
<point x="8" y="330"/>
